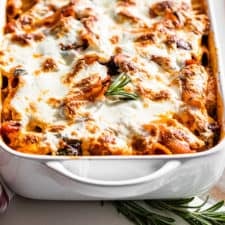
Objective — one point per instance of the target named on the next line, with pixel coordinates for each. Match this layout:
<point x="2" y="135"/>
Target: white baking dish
<point x="118" y="177"/>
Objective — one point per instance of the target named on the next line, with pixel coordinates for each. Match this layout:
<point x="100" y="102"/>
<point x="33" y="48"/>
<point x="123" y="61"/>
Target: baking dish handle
<point x="163" y="170"/>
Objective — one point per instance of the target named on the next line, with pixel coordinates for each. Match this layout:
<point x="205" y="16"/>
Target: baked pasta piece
<point x="89" y="77"/>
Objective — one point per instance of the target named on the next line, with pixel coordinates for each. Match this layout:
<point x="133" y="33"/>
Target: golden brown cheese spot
<point x="37" y="55"/>
<point x="31" y="142"/>
<point x="163" y="7"/>
<point x="103" y="145"/>
<point x="140" y="145"/>
<point x="175" y="20"/>
<point x="146" y="38"/>
<point x="37" y="72"/>
<point x="32" y="107"/>
<point x="91" y="127"/>
<point x="198" y="122"/>
<point x="173" y="130"/>
<point x="199" y="24"/>
<point x="27" y="38"/>
<point x="161" y="95"/>
<point x="49" y="65"/>
<point x="90" y="36"/>
<point x="68" y="10"/>
<point x="31" y="139"/>
<point x="56" y="128"/>
<point x="48" y="21"/>
<point x="81" y="64"/>
<point x="194" y="80"/>
<point x="91" y="58"/>
<point x="125" y="15"/>
<point x="85" y="13"/>
<point x="159" y="9"/>
<point x="61" y="28"/>
<point x="124" y="63"/>
<point x="154" y="95"/>
<point x="10" y="27"/>
<point x="174" y="140"/>
<point x="76" y="46"/>
<point x="126" y="3"/>
<point x="13" y="8"/>
<point x="161" y="31"/>
<point x="71" y="107"/>
<point x="57" y="15"/>
<point x="91" y="88"/>
<point x="55" y="103"/>
<point x="164" y="62"/>
<point x="99" y="148"/>
<point x="22" y="39"/>
<point x="114" y="39"/>
<point x="154" y="132"/>
<point x="185" y="118"/>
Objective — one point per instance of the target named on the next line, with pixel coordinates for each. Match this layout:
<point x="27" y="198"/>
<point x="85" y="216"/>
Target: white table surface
<point x="33" y="212"/>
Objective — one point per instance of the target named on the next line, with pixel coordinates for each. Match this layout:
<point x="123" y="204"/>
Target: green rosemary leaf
<point x="141" y="215"/>
<point x="121" y="81"/>
<point x="164" y="205"/>
<point x="179" y="201"/>
<point x="123" y="94"/>
<point x="117" y="88"/>
<point x="201" y="220"/>
<point x="215" y="207"/>
<point x="131" y="216"/>
<point x="166" y="220"/>
<point x="143" y="212"/>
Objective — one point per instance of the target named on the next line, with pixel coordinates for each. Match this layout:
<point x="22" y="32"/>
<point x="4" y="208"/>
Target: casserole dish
<point x="117" y="177"/>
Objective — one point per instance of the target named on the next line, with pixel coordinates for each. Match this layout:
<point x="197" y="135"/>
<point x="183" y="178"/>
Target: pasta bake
<point x="100" y="77"/>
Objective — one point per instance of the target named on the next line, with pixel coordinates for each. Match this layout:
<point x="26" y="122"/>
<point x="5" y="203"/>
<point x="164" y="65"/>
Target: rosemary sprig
<point x="139" y="214"/>
<point x="117" y="88"/>
<point x="144" y="212"/>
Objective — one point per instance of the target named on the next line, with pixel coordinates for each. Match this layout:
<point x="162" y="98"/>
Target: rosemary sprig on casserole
<point x="117" y="88"/>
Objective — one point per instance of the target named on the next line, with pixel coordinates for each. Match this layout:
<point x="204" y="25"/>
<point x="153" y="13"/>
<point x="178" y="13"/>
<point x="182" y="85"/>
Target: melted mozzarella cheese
<point x="89" y="71"/>
<point x="36" y="91"/>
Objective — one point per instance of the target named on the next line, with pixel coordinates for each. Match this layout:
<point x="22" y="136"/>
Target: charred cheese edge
<point x="60" y="58"/>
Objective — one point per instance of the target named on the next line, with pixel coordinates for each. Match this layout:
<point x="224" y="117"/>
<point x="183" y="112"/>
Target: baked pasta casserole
<point x="107" y="77"/>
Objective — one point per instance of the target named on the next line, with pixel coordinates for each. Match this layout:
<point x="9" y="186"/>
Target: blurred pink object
<point x="5" y="197"/>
